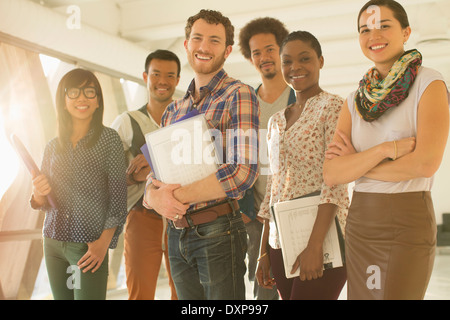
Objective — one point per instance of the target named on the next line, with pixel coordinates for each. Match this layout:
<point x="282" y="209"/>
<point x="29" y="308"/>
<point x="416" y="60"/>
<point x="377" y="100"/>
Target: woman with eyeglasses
<point x="84" y="167"/>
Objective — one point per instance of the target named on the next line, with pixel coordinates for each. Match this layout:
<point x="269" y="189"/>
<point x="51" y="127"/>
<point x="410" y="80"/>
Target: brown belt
<point x="206" y="214"/>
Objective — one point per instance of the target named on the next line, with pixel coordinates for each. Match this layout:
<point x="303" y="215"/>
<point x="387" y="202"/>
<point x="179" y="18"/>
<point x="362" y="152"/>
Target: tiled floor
<point x="438" y="289"/>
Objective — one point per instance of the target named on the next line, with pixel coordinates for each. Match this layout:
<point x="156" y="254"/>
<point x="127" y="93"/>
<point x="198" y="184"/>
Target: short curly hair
<point x="261" y="25"/>
<point x="212" y="17"/>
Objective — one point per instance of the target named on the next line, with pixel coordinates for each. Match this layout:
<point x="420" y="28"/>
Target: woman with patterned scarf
<point x="390" y="140"/>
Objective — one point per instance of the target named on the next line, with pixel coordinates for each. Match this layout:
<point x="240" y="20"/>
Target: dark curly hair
<point x="212" y="17"/>
<point x="261" y="25"/>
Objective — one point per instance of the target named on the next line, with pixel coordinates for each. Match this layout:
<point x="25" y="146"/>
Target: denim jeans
<point x="207" y="261"/>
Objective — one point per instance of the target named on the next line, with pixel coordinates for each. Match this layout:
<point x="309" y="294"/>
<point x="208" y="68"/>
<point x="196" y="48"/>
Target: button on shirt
<point x="231" y="107"/>
<point x="90" y="188"/>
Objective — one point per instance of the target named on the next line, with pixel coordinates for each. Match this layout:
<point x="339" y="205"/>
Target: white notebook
<point x="295" y="220"/>
<point x="183" y="152"/>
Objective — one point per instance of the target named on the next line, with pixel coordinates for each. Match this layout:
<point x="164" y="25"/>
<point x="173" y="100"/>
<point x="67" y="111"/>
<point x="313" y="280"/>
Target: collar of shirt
<point x="181" y="107"/>
<point x="212" y="86"/>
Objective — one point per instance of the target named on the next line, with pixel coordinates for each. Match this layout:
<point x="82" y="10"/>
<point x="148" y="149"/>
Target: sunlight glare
<point x="49" y="64"/>
<point x="131" y="88"/>
<point x="9" y="162"/>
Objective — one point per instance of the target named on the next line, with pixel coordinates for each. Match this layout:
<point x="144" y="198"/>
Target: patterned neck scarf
<point x="376" y="95"/>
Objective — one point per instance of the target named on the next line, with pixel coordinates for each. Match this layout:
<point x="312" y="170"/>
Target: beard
<point x="269" y="75"/>
<point x="207" y="67"/>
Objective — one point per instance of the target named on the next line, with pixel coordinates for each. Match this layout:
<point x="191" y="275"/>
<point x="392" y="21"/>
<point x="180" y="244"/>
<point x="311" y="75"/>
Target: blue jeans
<point x="207" y="261"/>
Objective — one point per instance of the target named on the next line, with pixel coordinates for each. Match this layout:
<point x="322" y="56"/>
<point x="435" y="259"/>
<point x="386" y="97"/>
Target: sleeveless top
<point x="398" y="123"/>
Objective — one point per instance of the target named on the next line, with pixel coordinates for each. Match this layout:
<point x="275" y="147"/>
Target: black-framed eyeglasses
<point x="89" y="92"/>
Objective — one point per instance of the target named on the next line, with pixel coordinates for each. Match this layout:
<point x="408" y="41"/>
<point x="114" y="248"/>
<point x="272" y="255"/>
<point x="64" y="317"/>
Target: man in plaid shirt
<point x="207" y="237"/>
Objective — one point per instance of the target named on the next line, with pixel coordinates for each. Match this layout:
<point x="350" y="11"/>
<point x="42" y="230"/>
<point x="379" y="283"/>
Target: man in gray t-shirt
<point x="260" y="42"/>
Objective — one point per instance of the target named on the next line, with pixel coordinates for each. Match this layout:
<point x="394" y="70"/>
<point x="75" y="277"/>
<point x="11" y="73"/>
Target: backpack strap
<point x="137" y="123"/>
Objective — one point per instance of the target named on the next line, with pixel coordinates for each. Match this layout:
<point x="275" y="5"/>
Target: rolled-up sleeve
<point x="240" y="171"/>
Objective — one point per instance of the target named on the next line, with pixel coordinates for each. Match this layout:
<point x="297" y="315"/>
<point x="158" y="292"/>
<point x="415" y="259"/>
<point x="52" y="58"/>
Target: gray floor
<point x="438" y="289"/>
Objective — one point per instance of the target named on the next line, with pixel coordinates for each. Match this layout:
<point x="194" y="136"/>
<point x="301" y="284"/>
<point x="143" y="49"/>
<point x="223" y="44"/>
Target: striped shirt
<point x="232" y="108"/>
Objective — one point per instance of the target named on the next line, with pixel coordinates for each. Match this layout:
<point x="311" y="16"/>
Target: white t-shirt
<point x="397" y="123"/>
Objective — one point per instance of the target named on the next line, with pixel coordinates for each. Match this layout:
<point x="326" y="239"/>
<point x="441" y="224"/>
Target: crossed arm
<point x="415" y="157"/>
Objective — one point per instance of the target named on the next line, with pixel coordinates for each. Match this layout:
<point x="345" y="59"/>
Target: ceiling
<point x="156" y="24"/>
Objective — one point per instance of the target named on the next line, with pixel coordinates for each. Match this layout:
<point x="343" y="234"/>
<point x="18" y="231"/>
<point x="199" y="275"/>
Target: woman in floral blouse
<point x="297" y="138"/>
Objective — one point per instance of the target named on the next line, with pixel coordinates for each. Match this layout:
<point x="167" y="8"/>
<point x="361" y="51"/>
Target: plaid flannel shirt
<point x="232" y="108"/>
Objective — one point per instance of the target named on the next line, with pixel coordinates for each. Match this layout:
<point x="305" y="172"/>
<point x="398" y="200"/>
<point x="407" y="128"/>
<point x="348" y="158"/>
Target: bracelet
<point x="263" y="255"/>
<point x="395" y="150"/>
